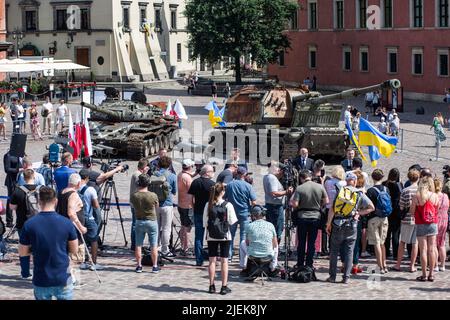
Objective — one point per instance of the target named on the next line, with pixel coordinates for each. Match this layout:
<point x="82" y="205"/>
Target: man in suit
<point x="302" y="162"/>
<point x="347" y="164"/>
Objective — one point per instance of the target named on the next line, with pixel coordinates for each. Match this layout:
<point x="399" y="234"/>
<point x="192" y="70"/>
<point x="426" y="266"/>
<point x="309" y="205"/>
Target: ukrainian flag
<point x="353" y="139"/>
<point x="215" y="115"/>
<point x="379" y="144"/>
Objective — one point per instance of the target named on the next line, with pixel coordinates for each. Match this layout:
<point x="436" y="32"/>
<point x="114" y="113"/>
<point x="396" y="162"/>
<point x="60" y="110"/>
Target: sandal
<point x="421" y="278"/>
<point x="431" y="278"/>
<point x="395" y="269"/>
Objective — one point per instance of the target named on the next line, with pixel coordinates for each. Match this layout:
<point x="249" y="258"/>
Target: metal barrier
<point x="437" y="144"/>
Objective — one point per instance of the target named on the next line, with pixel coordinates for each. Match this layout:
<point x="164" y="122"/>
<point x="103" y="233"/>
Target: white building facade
<point x="132" y="40"/>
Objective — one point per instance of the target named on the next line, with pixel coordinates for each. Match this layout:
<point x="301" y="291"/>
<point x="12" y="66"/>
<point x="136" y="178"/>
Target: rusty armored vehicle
<point x="130" y="129"/>
<point x="295" y="117"/>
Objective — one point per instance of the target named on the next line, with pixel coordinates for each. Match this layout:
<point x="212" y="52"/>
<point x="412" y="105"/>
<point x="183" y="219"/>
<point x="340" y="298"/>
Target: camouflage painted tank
<point x="297" y="117"/>
<point x="131" y="129"/>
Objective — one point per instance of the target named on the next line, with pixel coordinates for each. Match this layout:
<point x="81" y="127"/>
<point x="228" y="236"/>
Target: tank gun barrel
<point x="101" y="150"/>
<point x="110" y="113"/>
<point x="393" y="84"/>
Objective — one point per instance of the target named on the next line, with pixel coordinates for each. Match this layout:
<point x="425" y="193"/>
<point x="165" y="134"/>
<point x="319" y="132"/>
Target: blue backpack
<point x="383" y="207"/>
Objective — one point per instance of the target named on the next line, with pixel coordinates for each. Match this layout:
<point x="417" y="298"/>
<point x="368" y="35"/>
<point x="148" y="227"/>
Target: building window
<point x="158" y="23"/>
<point x="443" y="70"/>
<point x="387" y="13"/>
<point x="364" y="59"/>
<point x="281" y="58"/>
<point x="179" y="52"/>
<point x="347" y="59"/>
<point x="143" y="15"/>
<point x="61" y="19"/>
<point x="312" y="57"/>
<point x="31" y="20"/>
<point x="312" y="6"/>
<point x="392" y="60"/>
<point x="417" y="13"/>
<point x="339" y="14"/>
<point x="417" y="61"/>
<point x="293" y="22"/>
<point x="443" y="14"/>
<point x="361" y="14"/>
<point x="85" y="18"/>
<point x="173" y="19"/>
<point x="126" y="17"/>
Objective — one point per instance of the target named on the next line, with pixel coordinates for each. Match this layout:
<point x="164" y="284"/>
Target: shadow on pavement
<point x="431" y="289"/>
<point x="15" y="282"/>
<point x="169" y="288"/>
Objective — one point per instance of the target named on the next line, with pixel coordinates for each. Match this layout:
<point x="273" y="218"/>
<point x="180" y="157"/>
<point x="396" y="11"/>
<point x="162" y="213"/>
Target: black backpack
<point x="147" y="258"/>
<point x="303" y="274"/>
<point x="218" y="225"/>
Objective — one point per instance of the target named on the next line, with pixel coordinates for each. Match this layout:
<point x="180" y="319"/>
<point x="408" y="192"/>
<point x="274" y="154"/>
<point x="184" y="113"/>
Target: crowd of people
<point x="346" y="215"/>
<point x="52" y="117"/>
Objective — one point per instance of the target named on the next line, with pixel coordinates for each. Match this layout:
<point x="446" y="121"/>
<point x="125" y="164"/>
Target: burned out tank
<point x="276" y="122"/>
<point x="130" y="129"/>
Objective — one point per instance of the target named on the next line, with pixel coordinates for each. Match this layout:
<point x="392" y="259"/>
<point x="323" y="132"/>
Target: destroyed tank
<point x="130" y="129"/>
<point x="292" y="117"/>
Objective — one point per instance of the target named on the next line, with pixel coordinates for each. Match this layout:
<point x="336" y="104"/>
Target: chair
<point x="259" y="269"/>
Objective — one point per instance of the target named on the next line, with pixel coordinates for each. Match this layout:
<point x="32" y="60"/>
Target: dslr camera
<point x="112" y="164"/>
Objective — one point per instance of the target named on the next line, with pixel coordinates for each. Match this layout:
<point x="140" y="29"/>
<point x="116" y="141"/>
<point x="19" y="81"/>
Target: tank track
<point x="139" y="145"/>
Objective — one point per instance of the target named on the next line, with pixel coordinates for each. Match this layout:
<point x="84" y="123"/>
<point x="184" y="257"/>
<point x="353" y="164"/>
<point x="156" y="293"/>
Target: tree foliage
<point x="233" y="28"/>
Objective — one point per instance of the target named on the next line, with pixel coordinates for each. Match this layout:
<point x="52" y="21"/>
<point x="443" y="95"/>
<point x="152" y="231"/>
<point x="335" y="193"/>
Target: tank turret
<point x="120" y="111"/>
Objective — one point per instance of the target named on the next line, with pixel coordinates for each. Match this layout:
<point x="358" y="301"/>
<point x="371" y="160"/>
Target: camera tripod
<point x="109" y="188"/>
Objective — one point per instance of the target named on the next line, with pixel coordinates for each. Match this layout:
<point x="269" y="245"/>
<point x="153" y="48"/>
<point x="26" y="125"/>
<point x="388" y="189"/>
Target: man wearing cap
<point x="344" y="230"/>
<point x="261" y="240"/>
<point x="242" y="196"/>
<point x="92" y="218"/>
<point x="185" y="201"/>
<point x="309" y="198"/>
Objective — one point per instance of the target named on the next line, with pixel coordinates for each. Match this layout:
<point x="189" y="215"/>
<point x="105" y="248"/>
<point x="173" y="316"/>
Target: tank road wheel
<point x="173" y="138"/>
<point x="158" y="143"/>
<point x="145" y="150"/>
<point x="165" y="141"/>
<point x="137" y="149"/>
<point x="151" y="146"/>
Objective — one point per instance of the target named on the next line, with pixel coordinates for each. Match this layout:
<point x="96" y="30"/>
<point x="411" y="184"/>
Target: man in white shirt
<point x="46" y="113"/>
<point x="348" y="114"/>
<point x="369" y="99"/>
<point x="61" y="111"/>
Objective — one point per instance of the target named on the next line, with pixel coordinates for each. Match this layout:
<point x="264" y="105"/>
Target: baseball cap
<point x="187" y="163"/>
<point x="241" y="171"/>
<point x="84" y="174"/>
<point x="257" y="210"/>
<point x="351" y="176"/>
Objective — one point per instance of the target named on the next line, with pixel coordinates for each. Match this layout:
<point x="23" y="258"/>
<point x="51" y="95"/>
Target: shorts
<point x="60" y="120"/>
<point x="426" y="230"/>
<point x="408" y="233"/>
<point x="377" y="230"/>
<point x="92" y="230"/>
<point x="144" y="227"/>
<point x="186" y="217"/>
<point x="219" y="249"/>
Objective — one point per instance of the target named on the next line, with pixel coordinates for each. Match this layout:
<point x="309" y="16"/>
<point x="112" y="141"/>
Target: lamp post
<point x="18" y="36"/>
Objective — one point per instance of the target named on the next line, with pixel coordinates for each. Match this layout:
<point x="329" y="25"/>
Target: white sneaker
<point x="436" y="269"/>
<point x="97" y="267"/>
<point x="365" y="254"/>
<point x="85" y="266"/>
<point x="442" y="269"/>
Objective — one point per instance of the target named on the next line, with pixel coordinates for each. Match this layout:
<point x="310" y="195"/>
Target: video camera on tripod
<point x="290" y="174"/>
<point x="113" y="164"/>
<point x="56" y="149"/>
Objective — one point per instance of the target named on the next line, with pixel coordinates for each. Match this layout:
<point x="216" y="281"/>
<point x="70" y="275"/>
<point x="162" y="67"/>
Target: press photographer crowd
<point x="59" y="212"/>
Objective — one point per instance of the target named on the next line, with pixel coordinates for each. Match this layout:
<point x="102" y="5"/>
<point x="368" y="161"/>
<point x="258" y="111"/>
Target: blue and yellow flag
<point x="379" y="144"/>
<point x="353" y="139"/>
<point x="215" y="115"/>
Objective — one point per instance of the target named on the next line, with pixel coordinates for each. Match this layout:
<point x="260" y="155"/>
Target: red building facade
<point x="333" y="40"/>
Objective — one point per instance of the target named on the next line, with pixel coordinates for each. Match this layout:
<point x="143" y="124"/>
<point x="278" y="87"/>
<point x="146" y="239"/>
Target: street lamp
<point x="18" y="36"/>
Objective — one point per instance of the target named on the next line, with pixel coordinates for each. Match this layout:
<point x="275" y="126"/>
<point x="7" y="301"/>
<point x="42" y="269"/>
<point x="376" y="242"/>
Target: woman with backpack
<point x="218" y="216"/>
<point x="442" y="214"/>
<point x="424" y="205"/>
<point x="395" y="190"/>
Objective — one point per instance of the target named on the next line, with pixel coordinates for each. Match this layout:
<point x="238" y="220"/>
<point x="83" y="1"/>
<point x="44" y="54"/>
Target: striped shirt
<point x="405" y="202"/>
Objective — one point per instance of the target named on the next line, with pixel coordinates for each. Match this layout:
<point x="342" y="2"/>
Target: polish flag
<point x="72" y="137"/>
<point x="169" y="110"/>
<point x="86" y="137"/>
<point x="78" y="135"/>
<point x="179" y="110"/>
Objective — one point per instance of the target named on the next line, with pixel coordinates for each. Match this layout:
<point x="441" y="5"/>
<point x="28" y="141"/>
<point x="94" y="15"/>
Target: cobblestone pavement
<point x="183" y="280"/>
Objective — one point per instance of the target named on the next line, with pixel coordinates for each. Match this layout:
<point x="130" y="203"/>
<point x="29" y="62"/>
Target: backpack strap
<point x="83" y="190"/>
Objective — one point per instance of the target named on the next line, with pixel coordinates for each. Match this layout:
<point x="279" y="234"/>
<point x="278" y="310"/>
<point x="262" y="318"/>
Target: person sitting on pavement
<point x="261" y="241"/>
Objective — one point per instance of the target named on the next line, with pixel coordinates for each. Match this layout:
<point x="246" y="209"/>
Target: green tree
<point x="234" y="28"/>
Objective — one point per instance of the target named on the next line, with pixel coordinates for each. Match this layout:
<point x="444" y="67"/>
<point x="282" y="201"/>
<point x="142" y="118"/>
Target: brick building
<point x="3" y="44"/>
<point x="333" y="40"/>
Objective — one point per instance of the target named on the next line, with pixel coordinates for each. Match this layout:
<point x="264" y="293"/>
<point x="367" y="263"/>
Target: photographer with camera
<point x="275" y="197"/>
<point x="309" y="198"/>
<point x="96" y="178"/>
<point x="142" y="168"/>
